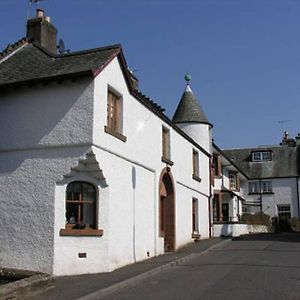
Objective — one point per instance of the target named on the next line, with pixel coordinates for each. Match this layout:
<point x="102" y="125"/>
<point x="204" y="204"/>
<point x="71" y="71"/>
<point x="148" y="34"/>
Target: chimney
<point x="42" y="31"/>
<point x="297" y="139"/>
<point x="287" y="141"/>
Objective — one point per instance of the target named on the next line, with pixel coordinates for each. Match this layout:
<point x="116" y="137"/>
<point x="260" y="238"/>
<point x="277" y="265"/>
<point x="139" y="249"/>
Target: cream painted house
<point x="93" y="174"/>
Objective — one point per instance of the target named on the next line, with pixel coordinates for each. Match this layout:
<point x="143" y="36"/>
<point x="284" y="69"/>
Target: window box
<point x="81" y="232"/>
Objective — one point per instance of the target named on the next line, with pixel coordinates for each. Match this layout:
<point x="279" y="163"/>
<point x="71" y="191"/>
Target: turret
<point x="190" y="117"/>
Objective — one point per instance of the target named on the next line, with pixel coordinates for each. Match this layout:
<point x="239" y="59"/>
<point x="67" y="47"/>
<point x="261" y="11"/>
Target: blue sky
<point x="244" y="56"/>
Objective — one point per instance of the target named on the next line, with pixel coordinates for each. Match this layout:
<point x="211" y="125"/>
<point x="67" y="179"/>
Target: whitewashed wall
<point x="284" y="192"/>
<point x="47" y="129"/>
<point x="140" y="238"/>
<point x="37" y="127"/>
<point x="52" y="115"/>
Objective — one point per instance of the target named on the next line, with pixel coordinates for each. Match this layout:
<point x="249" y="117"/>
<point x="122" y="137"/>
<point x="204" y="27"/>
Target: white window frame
<point x="261" y="156"/>
<point x="253" y="187"/>
<point x="266" y="187"/>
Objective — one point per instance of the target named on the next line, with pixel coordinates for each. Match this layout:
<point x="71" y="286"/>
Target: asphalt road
<point x="254" y="267"/>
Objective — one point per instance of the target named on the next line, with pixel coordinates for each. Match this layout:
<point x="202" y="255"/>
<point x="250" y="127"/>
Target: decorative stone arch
<point x="167" y="221"/>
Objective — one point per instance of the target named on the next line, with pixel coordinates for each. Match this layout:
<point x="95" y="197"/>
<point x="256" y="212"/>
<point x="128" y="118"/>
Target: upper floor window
<point x="114" y="115"/>
<point x="256" y="187"/>
<point x="196" y="165"/>
<point x="166" y="147"/>
<point x="261" y="156"/>
<point x="266" y="186"/>
<point x="217" y="164"/>
<point x="233" y="181"/>
<point x="81" y="209"/>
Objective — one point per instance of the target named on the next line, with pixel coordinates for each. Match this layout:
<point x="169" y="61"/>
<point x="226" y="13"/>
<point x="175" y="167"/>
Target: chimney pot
<point x="40" y="29"/>
<point x="39" y="13"/>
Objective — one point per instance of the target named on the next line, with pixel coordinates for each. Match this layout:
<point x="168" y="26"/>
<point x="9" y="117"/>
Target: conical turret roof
<point x="189" y="110"/>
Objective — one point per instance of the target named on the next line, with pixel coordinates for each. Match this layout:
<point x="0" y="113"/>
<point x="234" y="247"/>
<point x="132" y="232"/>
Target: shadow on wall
<point x="43" y="115"/>
<point x="12" y="161"/>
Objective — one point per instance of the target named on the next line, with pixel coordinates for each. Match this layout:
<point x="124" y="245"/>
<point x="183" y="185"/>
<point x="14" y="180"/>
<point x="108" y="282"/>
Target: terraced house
<point x="273" y="179"/>
<point x="93" y="174"/>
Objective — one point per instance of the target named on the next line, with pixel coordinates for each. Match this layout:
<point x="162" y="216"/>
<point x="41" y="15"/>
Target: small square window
<point x="267" y="187"/>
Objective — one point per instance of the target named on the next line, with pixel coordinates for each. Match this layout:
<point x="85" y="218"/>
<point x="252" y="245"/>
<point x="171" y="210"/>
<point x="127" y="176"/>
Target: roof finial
<point x="187" y="78"/>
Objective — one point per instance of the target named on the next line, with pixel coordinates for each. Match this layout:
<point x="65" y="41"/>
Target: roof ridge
<point x="258" y="148"/>
<point x="109" y="47"/>
<point x="12" y="47"/>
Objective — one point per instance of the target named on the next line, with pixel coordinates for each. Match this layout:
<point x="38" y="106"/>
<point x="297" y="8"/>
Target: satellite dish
<point x="61" y="47"/>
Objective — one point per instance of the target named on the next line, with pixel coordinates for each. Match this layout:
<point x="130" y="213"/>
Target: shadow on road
<point x="278" y="236"/>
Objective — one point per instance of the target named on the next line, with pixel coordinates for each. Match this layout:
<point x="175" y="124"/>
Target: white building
<point x="273" y="179"/>
<point x="93" y="175"/>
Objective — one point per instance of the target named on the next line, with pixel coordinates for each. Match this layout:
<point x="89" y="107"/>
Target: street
<point x="250" y="267"/>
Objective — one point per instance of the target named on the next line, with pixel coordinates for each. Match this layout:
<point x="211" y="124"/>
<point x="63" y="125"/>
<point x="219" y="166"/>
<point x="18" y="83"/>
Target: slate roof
<point x="284" y="162"/>
<point x="31" y="63"/>
<point x="189" y="110"/>
<point x="26" y="63"/>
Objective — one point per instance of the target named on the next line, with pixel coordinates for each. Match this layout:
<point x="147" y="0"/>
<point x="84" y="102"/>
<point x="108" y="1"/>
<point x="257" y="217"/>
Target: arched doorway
<point x="167" y="210"/>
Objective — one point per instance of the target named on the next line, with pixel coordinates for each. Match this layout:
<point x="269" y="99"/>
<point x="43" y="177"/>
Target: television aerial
<point x="61" y="47"/>
<point x="30" y="2"/>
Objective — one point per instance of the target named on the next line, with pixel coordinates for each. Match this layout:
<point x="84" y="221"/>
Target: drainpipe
<point x="260" y="196"/>
<point x="297" y="189"/>
<point x="210" y="197"/>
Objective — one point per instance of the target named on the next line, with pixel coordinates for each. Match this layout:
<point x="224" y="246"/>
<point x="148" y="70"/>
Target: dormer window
<point x="261" y="156"/>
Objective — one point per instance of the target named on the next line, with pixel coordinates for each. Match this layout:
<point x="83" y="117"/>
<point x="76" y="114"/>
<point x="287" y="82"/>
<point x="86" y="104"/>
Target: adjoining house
<point x="227" y="201"/>
<point x="273" y="179"/>
<point x="93" y="174"/>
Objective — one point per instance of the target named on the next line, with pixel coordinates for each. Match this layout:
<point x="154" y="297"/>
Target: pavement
<point x="94" y="286"/>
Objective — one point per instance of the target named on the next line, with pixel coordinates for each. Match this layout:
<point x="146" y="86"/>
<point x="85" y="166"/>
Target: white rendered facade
<point x="51" y="137"/>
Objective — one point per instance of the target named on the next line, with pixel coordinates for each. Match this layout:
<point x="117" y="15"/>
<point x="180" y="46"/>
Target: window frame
<point x="114" y="114"/>
<point x="269" y="187"/>
<point x="233" y="177"/>
<point x="253" y="187"/>
<point x="79" y="228"/>
<point x="166" y="146"/>
<point x="217" y="166"/>
<point x="195" y="217"/>
<point x="258" y="187"/>
<point x="196" y="165"/>
<point x="260" y="156"/>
